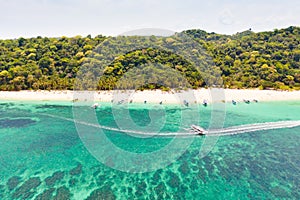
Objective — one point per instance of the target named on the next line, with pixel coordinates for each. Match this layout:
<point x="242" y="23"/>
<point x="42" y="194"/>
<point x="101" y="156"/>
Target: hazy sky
<point x="30" y="18"/>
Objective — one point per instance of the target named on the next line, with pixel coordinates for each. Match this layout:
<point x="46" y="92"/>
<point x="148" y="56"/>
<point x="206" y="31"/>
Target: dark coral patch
<point x="1" y="191"/>
<point x="57" y="176"/>
<point x="156" y="177"/>
<point x="140" y="189"/>
<point x="16" y="123"/>
<point x="47" y="194"/>
<point x="76" y="171"/>
<point x="28" y="195"/>
<point x="194" y="184"/>
<point x="174" y="180"/>
<point x="13" y="182"/>
<point x="102" y="193"/>
<point x="279" y="192"/>
<point x="62" y="193"/>
<point x="184" y="168"/>
<point x="60" y="107"/>
<point x="73" y="182"/>
<point x="100" y="180"/>
<point x="27" y="189"/>
<point x="160" y="190"/>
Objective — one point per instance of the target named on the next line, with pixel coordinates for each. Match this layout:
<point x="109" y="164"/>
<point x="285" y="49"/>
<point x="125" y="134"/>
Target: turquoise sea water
<point x="43" y="157"/>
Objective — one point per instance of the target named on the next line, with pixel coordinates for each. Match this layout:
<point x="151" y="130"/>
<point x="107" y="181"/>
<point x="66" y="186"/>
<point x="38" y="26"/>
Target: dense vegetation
<point x="244" y="60"/>
<point x="42" y="63"/>
<point x="251" y="60"/>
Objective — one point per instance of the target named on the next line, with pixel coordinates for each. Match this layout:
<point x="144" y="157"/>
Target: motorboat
<point x="186" y="103"/>
<point x="120" y="102"/>
<point x="247" y="101"/>
<point x="197" y="129"/>
<point x="204" y="103"/>
<point x="234" y="102"/>
<point x="95" y="105"/>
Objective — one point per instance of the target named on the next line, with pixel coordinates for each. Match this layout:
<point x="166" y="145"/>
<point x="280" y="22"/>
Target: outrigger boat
<point x="95" y="105"/>
<point x="204" y="103"/>
<point x="186" y="103"/>
<point x="247" y="101"/>
<point x="197" y="129"/>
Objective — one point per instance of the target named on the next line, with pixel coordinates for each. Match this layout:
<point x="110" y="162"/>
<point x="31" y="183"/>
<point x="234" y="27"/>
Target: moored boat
<point x="95" y="105"/>
<point x="234" y="102"/>
<point x="204" y="103"/>
<point x="246" y="101"/>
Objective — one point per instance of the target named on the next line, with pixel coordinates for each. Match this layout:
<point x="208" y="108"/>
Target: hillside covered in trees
<point x="262" y="60"/>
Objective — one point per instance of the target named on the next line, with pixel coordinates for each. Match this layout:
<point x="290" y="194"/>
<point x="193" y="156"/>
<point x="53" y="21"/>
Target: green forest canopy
<point x="265" y="60"/>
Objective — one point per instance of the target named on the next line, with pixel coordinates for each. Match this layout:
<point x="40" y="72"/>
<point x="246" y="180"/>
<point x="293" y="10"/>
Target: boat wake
<point x="253" y="127"/>
<point x="210" y="132"/>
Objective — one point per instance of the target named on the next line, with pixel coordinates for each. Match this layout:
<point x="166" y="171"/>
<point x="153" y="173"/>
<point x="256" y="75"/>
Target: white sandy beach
<point x="154" y="96"/>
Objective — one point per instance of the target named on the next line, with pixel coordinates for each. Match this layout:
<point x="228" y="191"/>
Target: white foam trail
<point x="213" y="132"/>
<point x="253" y="127"/>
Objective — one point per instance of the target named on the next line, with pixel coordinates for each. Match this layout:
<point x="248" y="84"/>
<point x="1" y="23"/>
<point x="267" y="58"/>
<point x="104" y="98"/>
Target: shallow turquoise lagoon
<point x="43" y="157"/>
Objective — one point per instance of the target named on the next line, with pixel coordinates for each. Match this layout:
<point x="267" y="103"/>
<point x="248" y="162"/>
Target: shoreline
<point x="153" y="96"/>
